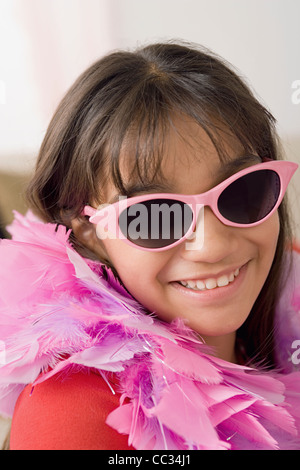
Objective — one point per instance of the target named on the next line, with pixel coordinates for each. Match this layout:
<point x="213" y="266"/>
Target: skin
<point x="190" y="166"/>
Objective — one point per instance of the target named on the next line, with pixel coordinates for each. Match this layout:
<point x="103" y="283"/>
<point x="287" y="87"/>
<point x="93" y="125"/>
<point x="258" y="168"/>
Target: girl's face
<point x="238" y="257"/>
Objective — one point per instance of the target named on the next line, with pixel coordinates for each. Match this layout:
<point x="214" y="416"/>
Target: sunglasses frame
<point x="111" y="212"/>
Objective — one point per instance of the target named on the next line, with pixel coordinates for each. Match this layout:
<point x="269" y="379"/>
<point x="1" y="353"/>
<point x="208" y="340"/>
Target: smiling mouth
<point x="210" y="283"/>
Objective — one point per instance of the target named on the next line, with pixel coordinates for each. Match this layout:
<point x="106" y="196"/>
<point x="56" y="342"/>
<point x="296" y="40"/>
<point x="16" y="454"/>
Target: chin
<point x="213" y="329"/>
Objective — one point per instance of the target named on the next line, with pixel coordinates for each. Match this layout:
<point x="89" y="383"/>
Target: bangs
<point x="141" y="130"/>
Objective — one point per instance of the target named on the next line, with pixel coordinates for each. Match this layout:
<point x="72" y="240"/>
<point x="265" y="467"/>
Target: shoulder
<point x="66" y="413"/>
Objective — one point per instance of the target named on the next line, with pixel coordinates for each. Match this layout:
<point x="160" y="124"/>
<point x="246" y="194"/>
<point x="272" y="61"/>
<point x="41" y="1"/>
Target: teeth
<point x="210" y="283"/>
<point x="200" y="285"/>
<point x="223" y="281"/>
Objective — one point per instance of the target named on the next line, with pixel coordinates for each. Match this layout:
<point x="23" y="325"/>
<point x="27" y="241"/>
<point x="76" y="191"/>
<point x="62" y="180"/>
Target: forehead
<point x="175" y="159"/>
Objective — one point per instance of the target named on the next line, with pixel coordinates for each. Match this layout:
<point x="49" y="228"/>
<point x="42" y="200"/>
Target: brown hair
<point x="137" y="93"/>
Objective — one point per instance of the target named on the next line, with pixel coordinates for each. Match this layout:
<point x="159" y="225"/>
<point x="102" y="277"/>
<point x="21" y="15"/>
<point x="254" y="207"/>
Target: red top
<point x="66" y="413"/>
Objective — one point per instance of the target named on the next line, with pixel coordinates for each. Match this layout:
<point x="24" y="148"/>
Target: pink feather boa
<point x="58" y="311"/>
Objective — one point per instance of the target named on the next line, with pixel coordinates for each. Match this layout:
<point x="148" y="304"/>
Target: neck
<point x="224" y="346"/>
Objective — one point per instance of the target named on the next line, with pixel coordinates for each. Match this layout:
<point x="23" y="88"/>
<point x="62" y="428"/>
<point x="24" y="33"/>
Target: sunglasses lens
<point x="156" y="223"/>
<point x="250" y="198"/>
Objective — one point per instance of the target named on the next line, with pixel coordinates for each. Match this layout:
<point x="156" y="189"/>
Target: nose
<point x="211" y="241"/>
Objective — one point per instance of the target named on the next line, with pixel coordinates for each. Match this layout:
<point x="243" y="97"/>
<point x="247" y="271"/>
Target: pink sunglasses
<point x="161" y="221"/>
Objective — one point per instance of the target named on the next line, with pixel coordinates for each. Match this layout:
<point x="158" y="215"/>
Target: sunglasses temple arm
<point x="88" y="211"/>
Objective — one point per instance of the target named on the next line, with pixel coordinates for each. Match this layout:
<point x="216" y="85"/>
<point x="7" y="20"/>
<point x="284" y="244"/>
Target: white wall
<point x="45" y="44"/>
<point x="260" y="37"/>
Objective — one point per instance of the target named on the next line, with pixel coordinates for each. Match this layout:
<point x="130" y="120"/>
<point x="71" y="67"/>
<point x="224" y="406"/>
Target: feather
<point x="190" y="418"/>
<point x="189" y="363"/>
<point x="227" y="408"/>
<point x="276" y="415"/>
<point x="174" y="393"/>
<point x="263" y="386"/>
<point x="8" y="397"/>
<point x="250" y="428"/>
<point x="21" y="366"/>
<point x="106" y="357"/>
<point x="121" y="418"/>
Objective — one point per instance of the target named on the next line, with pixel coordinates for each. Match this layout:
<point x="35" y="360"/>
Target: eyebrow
<point x="136" y="188"/>
<point x="227" y="169"/>
<point x="232" y="166"/>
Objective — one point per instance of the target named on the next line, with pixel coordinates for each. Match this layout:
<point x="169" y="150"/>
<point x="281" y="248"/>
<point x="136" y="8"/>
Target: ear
<point x="86" y="234"/>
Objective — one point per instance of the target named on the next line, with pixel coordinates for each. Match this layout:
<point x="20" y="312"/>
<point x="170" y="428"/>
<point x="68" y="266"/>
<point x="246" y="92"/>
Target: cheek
<point x="266" y="237"/>
<point x="138" y="269"/>
<point x="263" y="239"/>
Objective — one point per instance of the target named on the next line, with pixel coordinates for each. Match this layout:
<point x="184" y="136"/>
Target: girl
<point x="166" y="315"/>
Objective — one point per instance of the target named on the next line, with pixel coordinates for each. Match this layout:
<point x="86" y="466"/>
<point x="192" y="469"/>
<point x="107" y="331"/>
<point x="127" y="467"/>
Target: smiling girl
<point x="138" y="339"/>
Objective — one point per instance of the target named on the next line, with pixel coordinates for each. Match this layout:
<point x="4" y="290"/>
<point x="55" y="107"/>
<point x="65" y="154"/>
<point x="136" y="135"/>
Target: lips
<point x="230" y="282"/>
